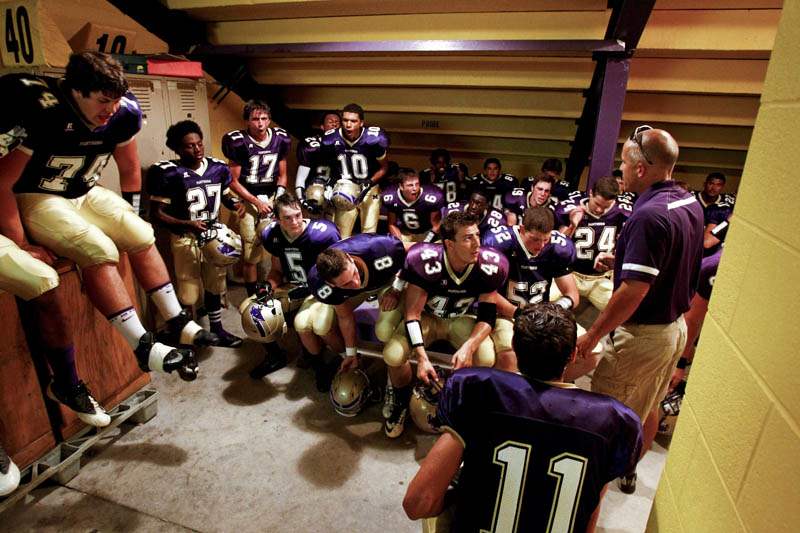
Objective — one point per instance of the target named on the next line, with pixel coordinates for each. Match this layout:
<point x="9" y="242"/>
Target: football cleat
<point x="395" y="423"/>
<point x="349" y="391"/>
<point x="274" y="359"/>
<point x="388" y="400"/>
<point x="345" y="195"/>
<point x="627" y="484"/>
<point x="154" y="356"/>
<point x="79" y="400"/>
<point x="226" y="339"/>
<point x="184" y="331"/>
<point x="262" y="319"/>
<point x="9" y="474"/>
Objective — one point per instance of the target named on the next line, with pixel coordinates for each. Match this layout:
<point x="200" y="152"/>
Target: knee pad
<point x="396" y="350"/>
<point x="387" y="323"/>
<point x="485" y="354"/>
<point x="322" y="317"/>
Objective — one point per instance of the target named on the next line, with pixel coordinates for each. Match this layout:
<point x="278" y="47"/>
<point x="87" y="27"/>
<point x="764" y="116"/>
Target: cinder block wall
<point x="734" y="463"/>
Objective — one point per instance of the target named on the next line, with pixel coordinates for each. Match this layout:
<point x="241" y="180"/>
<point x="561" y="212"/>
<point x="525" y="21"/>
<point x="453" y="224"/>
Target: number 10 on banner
<point x="21" y="43"/>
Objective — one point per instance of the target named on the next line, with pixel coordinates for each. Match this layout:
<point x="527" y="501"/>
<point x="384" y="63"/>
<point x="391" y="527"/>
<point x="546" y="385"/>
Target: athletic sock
<point x="128" y="324"/>
<point x="213" y="303"/>
<point x="166" y="301"/>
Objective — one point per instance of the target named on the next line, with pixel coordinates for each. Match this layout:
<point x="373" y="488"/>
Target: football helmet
<point x="422" y="406"/>
<point x="262" y="318"/>
<point x="315" y="196"/>
<point x="349" y="392"/>
<point x="345" y="195"/>
<point x="221" y="246"/>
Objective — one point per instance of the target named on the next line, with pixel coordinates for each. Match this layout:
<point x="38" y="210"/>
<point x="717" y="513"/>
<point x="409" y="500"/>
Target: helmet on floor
<point x="262" y="319"/>
<point x="349" y="392"/>
<point x="422" y="406"/>
<point x="221" y="246"/>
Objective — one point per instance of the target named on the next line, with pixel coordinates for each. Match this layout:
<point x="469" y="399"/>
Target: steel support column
<point x="609" y="117"/>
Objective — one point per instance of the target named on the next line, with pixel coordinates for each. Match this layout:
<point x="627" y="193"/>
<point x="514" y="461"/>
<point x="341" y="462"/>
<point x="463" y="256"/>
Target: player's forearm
<point x="283" y="178"/>
<point x="381" y="172"/>
<point x="505" y="308"/>
<point x="480" y="331"/>
<point x="130" y="169"/>
<point x="709" y="240"/>
<point x="694" y="322"/>
<point x="243" y="193"/>
<point x="394" y="231"/>
<point x="164" y="218"/>
<point x="620" y="308"/>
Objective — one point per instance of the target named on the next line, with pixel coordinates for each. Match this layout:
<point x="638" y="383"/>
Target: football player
<point x="413" y="211"/>
<point x="357" y="154"/>
<point x="628" y="197"/>
<point x="27" y="274"/>
<point x="444" y="281"/>
<point x="64" y="132"/>
<point x="478" y="207"/>
<point x="185" y="197"/>
<point x="445" y="175"/>
<point x="537" y="452"/>
<point x="308" y="160"/>
<point x="593" y="222"/>
<point x="295" y="243"/>
<point x="552" y="168"/>
<point x="536" y="256"/>
<point x="717" y="208"/>
<point x="346" y="274"/>
<point x="493" y="182"/>
<point x="516" y="201"/>
<point x="257" y="158"/>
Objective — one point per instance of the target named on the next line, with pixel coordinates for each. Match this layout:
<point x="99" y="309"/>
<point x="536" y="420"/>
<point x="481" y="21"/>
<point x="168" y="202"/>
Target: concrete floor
<point x="227" y="453"/>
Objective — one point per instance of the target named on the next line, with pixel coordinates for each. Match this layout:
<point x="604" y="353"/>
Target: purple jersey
<point x="383" y="256"/>
<point x="308" y="155"/>
<point x="536" y="455"/>
<point x="414" y="217"/>
<point x="530" y="276"/>
<point x="189" y="194"/>
<point x="259" y="160"/>
<point x="594" y="234"/>
<point x="67" y="155"/>
<point x="357" y="161"/>
<point x="450" y="294"/>
<point x="662" y="245"/>
<point x="708" y="272"/>
<point x="298" y="256"/>
<point x="562" y="189"/>
<point x="517" y="200"/>
<point x="494" y="190"/>
<point x="717" y="211"/>
<point x="492" y="219"/>
<point x="454" y="189"/>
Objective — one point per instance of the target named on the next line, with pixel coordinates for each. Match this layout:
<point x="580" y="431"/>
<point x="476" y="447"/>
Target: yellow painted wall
<point x="734" y="463"/>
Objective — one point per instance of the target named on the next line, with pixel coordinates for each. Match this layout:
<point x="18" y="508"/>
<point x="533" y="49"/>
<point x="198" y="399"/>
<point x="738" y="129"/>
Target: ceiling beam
<point x="534" y="47"/>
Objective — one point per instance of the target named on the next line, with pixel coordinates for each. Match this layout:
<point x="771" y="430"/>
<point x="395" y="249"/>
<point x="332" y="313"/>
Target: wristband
<point x="399" y="284"/>
<point x="683" y="363"/>
<point x="429" y="237"/>
<point x="350" y="351"/>
<point x="414" y="333"/>
<point x="280" y="191"/>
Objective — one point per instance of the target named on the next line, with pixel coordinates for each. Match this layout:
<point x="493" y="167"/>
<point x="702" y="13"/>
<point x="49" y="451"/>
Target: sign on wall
<point x="22" y="41"/>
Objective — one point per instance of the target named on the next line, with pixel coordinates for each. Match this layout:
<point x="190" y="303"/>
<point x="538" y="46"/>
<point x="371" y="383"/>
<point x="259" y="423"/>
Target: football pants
<point x="21" y="274"/>
<point x="89" y="230"/>
<point x="194" y="274"/>
<point x="596" y="289"/>
<point x="369" y="210"/>
<point x="252" y="250"/>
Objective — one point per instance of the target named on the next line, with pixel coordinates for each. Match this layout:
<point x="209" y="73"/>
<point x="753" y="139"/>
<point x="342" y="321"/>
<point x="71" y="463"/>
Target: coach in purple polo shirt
<point x="655" y="275"/>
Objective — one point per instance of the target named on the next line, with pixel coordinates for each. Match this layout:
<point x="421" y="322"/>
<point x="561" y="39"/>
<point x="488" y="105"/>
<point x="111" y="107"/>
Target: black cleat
<point x="183" y="331"/>
<point x="154" y="355"/>
<point x="627" y="484"/>
<point x="81" y="402"/>
<point x="271" y="363"/>
<point x="227" y="340"/>
<point x="324" y="373"/>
